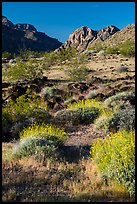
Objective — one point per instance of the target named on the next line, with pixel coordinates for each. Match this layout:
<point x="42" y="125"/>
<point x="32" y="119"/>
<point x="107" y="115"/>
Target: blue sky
<point x="59" y="19"/>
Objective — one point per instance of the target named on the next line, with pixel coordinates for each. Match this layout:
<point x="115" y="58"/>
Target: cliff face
<point x="83" y="37"/>
<point x="25" y="36"/>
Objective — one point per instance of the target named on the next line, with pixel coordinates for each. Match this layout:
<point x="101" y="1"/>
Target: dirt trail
<point x="79" y="142"/>
<point x="82" y="135"/>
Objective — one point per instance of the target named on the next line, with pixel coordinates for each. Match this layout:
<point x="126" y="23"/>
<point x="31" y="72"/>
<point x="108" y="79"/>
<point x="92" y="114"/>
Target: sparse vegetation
<point x="49" y="59"/>
<point x="6" y="55"/>
<point x="97" y="47"/>
<point x="77" y="70"/>
<point x="26" y="54"/>
<point x="78" y="74"/>
<point x="127" y="48"/>
<point x="25" y="71"/>
<point x="67" y="54"/>
<point x="48" y="159"/>
<point x="112" y="50"/>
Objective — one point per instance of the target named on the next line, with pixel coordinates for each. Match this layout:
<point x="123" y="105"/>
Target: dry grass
<point x="7" y="151"/>
<point x="27" y="180"/>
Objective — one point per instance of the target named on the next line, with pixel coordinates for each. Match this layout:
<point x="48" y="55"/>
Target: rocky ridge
<point x="127" y="33"/>
<point x="84" y="37"/>
<point x="25" y="36"/>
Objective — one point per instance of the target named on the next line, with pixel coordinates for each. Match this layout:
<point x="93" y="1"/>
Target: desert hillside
<point x="127" y="33"/>
<point x="68" y="119"/>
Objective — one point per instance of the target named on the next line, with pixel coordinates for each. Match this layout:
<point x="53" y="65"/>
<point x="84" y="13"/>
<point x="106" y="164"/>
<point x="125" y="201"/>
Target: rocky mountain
<point x="127" y="33"/>
<point x="6" y="22"/>
<point x="25" y="27"/>
<point x="83" y="37"/>
<point x="25" y="36"/>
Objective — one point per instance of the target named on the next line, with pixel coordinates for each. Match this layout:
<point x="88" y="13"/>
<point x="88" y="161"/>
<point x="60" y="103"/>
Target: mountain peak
<point x="25" y="26"/>
<point x="104" y="33"/>
<point x="6" y="22"/>
<point x="82" y="37"/>
<point x="25" y="36"/>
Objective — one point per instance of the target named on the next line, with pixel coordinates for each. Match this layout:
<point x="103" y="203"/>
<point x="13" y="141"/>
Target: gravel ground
<point x="82" y="135"/>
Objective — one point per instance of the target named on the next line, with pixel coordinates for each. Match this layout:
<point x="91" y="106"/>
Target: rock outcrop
<point x="25" y="27"/>
<point x="84" y="36"/>
<point x="7" y="23"/>
<point x="127" y="33"/>
<point x="105" y="33"/>
<point x="25" y="36"/>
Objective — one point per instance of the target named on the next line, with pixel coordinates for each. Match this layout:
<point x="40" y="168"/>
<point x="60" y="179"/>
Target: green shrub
<point x="115" y="157"/>
<point x="23" y="112"/>
<point x="112" y="50"/>
<point x="25" y="107"/>
<point x="77" y="116"/>
<point x="47" y="131"/>
<point x="27" y="53"/>
<point x="122" y="69"/>
<point x="65" y="116"/>
<point x="49" y="92"/>
<point x="122" y="96"/>
<point x="49" y="59"/>
<point x="37" y="115"/>
<point x="77" y="70"/>
<point x="88" y="103"/>
<point x="127" y="48"/>
<point x="88" y="115"/>
<point x="78" y="74"/>
<point x="98" y="47"/>
<point x="66" y="54"/>
<point x="25" y="71"/>
<point x="122" y="119"/>
<point x="39" y="147"/>
<point x="102" y="123"/>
